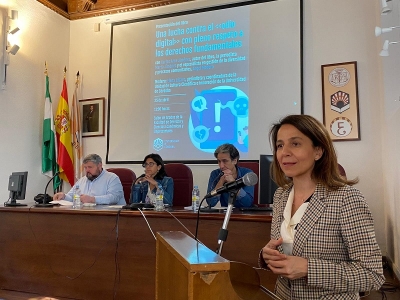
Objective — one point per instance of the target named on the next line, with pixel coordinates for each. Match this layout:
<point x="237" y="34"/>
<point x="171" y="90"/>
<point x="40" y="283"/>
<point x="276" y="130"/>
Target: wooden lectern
<point x="188" y="270"/>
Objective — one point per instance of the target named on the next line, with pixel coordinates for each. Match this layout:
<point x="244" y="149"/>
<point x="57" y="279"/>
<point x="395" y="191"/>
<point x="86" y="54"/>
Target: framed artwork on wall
<point x="92" y="116"/>
<point x="340" y="101"/>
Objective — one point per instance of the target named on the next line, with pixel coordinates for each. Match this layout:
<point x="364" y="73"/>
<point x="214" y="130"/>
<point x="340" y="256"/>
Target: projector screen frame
<point x="188" y="12"/>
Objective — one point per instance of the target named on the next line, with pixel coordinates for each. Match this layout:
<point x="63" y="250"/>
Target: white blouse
<point x="288" y="227"/>
<point x="150" y="197"/>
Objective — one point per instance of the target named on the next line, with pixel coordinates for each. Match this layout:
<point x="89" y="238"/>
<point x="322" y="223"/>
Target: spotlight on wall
<point x="385" y="8"/>
<point x="13" y="50"/>
<point x="379" y="30"/>
<point x="8" y="41"/>
<point x="385" y="48"/>
<point x="13" y="31"/>
<point x="14" y="14"/>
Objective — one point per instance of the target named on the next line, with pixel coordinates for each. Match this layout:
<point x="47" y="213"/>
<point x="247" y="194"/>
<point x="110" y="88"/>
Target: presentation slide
<point x="183" y="84"/>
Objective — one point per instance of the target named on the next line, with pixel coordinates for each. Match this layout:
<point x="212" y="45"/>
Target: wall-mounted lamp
<point x="379" y="30"/>
<point x="7" y="44"/>
<point x="14" y="14"/>
<point x="385" y="48"/>
<point x="13" y="50"/>
<point x="385" y="8"/>
<point x="10" y="47"/>
<point x="14" y="31"/>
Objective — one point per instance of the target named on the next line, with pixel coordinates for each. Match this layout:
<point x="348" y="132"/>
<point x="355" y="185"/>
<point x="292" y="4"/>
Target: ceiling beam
<point x="82" y="9"/>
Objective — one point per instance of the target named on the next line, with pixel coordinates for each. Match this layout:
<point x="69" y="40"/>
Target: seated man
<point x="228" y="156"/>
<point x="98" y="186"/>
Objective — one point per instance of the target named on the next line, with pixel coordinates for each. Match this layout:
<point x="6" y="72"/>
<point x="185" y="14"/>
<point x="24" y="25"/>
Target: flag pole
<point x="49" y="146"/>
<point x="76" y="128"/>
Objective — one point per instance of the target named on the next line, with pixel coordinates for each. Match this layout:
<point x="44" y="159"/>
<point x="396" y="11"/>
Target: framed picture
<point x="92" y="116"/>
<point x="340" y="101"/>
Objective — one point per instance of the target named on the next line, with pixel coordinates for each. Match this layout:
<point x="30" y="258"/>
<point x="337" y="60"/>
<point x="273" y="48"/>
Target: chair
<point x="127" y="177"/>
<point x="254" y="166"/>
<point x="183" y="183"/>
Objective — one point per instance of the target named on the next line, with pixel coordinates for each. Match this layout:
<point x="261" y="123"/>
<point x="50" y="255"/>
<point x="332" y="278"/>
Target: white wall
<point x="44" y="36"/>
<point x="341" y="31"/>
<point x="390" y="134"/>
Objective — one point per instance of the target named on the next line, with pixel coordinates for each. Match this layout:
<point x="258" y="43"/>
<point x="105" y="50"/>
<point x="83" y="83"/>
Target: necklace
<point x="305" y="199"/>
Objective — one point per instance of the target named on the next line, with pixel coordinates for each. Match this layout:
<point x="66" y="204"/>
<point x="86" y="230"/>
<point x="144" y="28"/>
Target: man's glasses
<point x="150" y="164"/>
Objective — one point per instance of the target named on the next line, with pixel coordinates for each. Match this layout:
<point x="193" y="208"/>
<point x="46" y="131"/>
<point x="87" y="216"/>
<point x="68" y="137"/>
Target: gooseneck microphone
<point x="45" y="196"/>
<point x="141" y="176"/>
<point x="248" y="179"/>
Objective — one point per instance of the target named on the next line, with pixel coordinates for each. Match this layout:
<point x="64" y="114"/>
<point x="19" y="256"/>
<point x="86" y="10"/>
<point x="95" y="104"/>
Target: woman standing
<point x="323" y="242"/>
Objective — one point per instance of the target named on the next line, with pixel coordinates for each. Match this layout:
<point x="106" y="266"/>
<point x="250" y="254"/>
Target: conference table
<point x="103" y="252"/>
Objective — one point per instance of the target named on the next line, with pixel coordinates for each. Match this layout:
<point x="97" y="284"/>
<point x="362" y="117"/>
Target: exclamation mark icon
<point x="217" y="107"/>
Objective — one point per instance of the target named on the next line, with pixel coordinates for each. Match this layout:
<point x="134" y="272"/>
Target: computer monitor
<point x="267" y="185"/>
<point x="17" y="187"/>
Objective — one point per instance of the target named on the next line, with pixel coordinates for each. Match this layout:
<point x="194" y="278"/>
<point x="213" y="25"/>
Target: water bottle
<point x="76" y="197"/>
<point x="195" y="198"/>
<point x="159" y="200"/>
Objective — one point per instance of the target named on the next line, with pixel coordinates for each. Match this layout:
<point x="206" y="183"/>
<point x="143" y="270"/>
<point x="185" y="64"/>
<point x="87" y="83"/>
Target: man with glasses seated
<point x="145" y="186"/>
<point x="228" y="156"/>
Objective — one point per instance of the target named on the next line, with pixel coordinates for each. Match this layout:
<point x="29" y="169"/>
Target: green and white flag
<point x="49" y="159"/>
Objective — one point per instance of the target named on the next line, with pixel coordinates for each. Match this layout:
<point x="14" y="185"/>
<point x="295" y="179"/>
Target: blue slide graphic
<point x="218" y="116"/>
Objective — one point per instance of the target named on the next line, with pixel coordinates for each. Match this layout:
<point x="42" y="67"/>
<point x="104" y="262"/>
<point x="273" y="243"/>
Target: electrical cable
<point x="148" y="225"/>
<point x="117" y="276"/>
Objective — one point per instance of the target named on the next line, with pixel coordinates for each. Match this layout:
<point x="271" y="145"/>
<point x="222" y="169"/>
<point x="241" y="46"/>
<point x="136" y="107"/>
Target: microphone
<point x="141" y="176"/>
<point x="45" y="196"/>
<point x="248" y="179"/>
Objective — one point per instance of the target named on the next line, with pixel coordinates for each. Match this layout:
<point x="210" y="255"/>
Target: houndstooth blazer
<point x="336" y="235"/>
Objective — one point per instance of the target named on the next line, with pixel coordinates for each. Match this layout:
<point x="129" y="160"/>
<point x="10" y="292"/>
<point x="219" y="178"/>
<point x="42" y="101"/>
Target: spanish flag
<point x="63" y="132"/>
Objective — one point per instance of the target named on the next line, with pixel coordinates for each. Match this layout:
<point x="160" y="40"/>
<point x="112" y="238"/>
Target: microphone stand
<point x="223" y="232"/>
<point x="44" y="204"/>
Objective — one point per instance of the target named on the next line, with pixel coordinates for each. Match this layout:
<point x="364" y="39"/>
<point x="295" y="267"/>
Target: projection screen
<point x="183" y="83"/>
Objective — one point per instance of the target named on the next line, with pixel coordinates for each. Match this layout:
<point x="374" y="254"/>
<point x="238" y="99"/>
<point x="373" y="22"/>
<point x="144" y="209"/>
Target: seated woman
<point x="145" y="186"/>
<point x="228" y="156"/>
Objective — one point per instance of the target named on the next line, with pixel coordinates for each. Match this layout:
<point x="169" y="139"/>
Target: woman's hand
<point x="150" y="180"/>
<point x="270" y="252"/>
<point x="292" y="267"/>
<point x="289" y="266"/>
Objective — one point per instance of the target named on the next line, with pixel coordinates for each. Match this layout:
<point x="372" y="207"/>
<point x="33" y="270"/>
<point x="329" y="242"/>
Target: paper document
<point x="115" y="206"/>
<point x="61" y="202"/>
